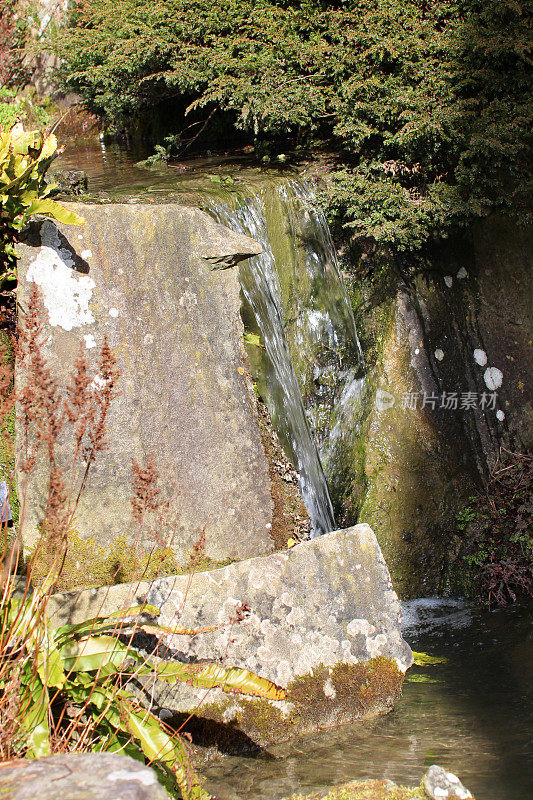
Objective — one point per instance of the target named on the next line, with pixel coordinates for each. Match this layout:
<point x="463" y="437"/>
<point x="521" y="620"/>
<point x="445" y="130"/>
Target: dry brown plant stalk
<point x="45" y="418"/>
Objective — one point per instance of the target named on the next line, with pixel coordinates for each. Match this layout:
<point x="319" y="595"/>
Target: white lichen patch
<point x="448" y="280"/>
<point x="145" y="777"/>
<point x="229" y="714"/>
<point x="90" y="341"/>
<point x="66" y="293"/>
<point x="480" y="357"/>
<point x="228" y="611"/>
<point x="493" y="378"/>
<point x="375" y="645"/>
<point x="97" y="383"/>
<point x="113" y="312"/>
<point x="439" y="354"/>
<point x="361" y="626"/>
<point x="188" y="300"/>
<point x="284" y="673"/>
<point x="329" y="690"/>
<point x="86" y="254"/>
<point x="296" y="617"/>
<point x="500" y="415"/>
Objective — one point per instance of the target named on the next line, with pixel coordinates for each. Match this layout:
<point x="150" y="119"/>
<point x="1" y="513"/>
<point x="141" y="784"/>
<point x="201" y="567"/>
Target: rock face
<point x="321" y="620"/>
<point x="449" y="381"/>
<point x="80" y="776"/>
<point x="141" y="275"/>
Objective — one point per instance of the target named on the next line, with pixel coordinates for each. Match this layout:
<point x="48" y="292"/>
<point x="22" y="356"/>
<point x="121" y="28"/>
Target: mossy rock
<point x="367" y="790"/>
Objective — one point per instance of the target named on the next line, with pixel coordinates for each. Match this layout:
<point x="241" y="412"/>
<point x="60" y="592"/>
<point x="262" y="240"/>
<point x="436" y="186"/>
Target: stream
<point x="471" y="714"/>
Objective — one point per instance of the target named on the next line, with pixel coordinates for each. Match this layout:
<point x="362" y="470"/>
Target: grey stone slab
<point x="139" y="275"/>
<point x="322" y="615"/>
<point x="80" y="776"/>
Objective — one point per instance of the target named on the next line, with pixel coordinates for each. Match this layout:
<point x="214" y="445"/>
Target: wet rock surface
<point x="439" y="784"/>
<point x="450" y="385"/>
<point x="80" y="776"/>
<point x="71" y="182"/>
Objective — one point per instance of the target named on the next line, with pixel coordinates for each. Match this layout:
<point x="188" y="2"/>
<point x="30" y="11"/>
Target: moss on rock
<point x="367" y="790"/>
<point x="328" y="697"/>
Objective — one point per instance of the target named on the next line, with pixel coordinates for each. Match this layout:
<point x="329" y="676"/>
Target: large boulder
<point x="142" y="276"/>
<point x="321" y="620"/>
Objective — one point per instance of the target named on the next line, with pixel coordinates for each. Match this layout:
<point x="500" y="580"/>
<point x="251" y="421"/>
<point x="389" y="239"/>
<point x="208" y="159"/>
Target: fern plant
<point x="69" y="687"/>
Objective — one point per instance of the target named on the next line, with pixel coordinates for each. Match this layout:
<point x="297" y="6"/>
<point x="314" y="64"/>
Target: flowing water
<point x="471" y="714"/>
<point x="313" y="366"/>
<point x="260" y="286"/>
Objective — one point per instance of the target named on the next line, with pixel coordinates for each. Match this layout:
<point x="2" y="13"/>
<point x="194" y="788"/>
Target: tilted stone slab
<point x="321" y="620"/>
<point x="142" y="275"/>
<point x="80" y="776"/>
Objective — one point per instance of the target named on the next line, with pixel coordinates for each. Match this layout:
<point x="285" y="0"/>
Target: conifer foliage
<point x="426" y="102"/>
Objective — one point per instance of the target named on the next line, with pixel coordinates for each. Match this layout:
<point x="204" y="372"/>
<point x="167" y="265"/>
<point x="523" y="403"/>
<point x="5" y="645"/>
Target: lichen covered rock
<point x="321" y="620"/>
<point x="439" y="784"/>
<point x="138" y="275"/>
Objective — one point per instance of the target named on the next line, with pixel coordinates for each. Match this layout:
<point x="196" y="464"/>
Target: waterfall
<point x="312" y="360"/>
<point x="325" y="330"/>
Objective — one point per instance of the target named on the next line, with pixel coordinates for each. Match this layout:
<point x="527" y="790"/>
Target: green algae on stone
<point x="414" y="486"/>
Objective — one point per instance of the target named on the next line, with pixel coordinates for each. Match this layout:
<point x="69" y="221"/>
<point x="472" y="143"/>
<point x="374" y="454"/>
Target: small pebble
<point x="439" y="354"/>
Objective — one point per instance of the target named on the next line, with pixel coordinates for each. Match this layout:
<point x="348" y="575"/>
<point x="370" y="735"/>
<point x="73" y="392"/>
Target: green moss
<point x="88" y="565"/>
<point x="361" y="690"/>
<point x="414" y="486"/>
<point x="367" y="790"/>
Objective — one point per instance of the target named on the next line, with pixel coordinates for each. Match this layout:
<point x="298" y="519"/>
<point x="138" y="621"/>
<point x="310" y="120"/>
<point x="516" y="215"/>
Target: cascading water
<point x="260" y="287"/>
<point x="312" y="361"/>
<point x="325" y="330"/>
